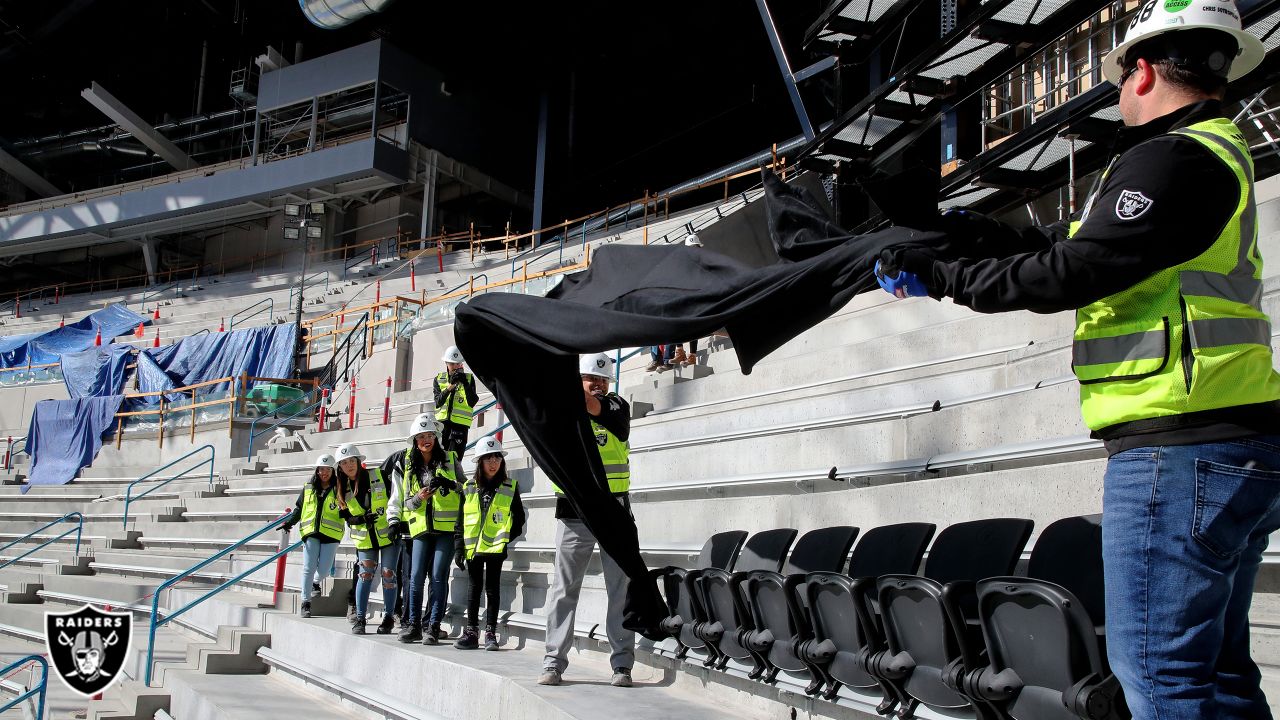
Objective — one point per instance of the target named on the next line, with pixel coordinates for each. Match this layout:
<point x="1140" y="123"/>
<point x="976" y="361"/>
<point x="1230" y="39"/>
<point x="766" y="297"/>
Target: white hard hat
<point x="424" y="423"/>
<point x="452" y="354"/>
<point x="598" y="364"/>
<point x="692" y="240"/>
<point x="348" y="450"/>
<point x="1157" y="17"/>
<point x="326" y="460"/>
<point x="488" y="446"/>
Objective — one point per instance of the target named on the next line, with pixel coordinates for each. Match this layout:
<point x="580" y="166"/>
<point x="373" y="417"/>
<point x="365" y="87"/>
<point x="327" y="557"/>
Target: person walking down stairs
<point x="364" y="508"/>
<point x="316" y="512"/>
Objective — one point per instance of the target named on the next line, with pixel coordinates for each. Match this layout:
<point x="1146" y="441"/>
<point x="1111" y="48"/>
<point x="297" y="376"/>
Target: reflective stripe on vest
<point x="321" y="518"/>
<point x="443" y="509"/>
<point x="1189" y="338"/>
<point x="492" y="532"/>
<point x="615" y="455"/>
<point x="377" y="506"/>
<point x="458" y="410"/>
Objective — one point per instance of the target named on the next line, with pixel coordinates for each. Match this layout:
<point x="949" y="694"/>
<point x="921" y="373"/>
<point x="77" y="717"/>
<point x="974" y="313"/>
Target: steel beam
<point x="27" y="176"/>
<point x="136" y="126"/>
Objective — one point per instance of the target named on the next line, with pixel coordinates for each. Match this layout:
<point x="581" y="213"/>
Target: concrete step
<point x="224" y="697"/>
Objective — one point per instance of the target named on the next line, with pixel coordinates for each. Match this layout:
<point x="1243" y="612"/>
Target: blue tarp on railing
<point x="65" y="435"/>
<point x="261" y="351"/>
<point x="97" y="371"/>
<point x="48" y="347"/>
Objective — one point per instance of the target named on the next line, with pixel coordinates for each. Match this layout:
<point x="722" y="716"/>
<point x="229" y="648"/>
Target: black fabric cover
<point x="525" y="349"/>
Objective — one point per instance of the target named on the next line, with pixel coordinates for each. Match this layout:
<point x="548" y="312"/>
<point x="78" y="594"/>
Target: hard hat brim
<point x="503" y="453"/>
<point x="1251" y="54"/>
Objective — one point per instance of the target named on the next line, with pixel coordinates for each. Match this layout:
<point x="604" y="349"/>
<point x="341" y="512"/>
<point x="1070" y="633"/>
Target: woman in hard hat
<point x="317" y="509"/>
<point x="365" y="510"/>
<point x="455" y="397"/>
<point x="492" y="515"/>
<point x="426" y="504"/>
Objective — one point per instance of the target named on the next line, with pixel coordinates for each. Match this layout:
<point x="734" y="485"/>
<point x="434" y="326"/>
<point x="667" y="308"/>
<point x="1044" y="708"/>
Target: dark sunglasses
<point x="1125" y="75"/>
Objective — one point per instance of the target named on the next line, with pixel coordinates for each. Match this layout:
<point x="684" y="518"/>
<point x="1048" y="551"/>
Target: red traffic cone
<point x="139" y="332"/>
<point x="62" y="323"/>
<point x="156" y="343"/>
<point x="97" y="339"/>
<point x="156" y="315"/>
<point x="221" y="325"/>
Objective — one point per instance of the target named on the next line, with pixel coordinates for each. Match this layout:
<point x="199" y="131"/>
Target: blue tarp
<point x="45" y="348"/>
<point x="261" y="352"/>
<point x="65" y="435"/>
<point x="96" y="372"/>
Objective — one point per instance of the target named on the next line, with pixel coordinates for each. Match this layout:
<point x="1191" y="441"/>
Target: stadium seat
<point x="718" y="590"/>
<point x="676" y="585"/>
<point x="845" y="620"/>
<point x="780" y="620"/>
<point x="1045" y="633"/>
<point x="931" y="621"/>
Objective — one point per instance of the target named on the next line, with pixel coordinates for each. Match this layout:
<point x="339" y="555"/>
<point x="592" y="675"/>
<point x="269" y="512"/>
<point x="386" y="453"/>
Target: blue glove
<point x="904" y="284"/>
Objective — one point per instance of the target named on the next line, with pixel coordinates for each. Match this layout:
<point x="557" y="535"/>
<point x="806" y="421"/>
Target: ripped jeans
<point x="367" y="565"/>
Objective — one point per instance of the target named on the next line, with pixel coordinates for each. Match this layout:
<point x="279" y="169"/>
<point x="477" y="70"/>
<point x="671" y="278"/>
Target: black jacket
<point x="467" y="385"/>
<point x="1186" y="196"/>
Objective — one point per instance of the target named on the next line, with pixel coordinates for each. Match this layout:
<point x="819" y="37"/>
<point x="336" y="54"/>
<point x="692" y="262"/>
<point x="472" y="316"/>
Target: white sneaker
<point x="549" y="676"/>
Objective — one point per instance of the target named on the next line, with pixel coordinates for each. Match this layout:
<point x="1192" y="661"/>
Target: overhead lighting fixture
<point x="292" y="210"/>
<point x="315" y="231"/>
<point x="317" y="208"/>
<point x="291" y="233"/>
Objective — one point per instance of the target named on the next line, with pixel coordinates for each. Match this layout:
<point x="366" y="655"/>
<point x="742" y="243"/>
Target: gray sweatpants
<point x="574" y="543"/>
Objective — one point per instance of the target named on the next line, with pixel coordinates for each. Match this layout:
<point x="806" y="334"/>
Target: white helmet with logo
<point x="326" y="460"/>
<point x="488" y="446"/>
<point x="1158" y="17"/>
<point x="597" y="364"/>
<point x="348" y="450"/>
<point x="424" y="423"/>
<point x="452" y="354"/>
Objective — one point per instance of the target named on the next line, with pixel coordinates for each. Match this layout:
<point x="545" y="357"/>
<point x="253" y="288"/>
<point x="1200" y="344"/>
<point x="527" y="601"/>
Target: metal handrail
<point x="254" y="435"/>
<point x="142" y="303"/>
<point x="157" y="622"/>
<point x="271" y="310"/>
<point x="617" y="363"/>
<point x="483" y="408"/>
<point x="79" y="529"/>
<point x="492" y="432"/>
<point x="559" y="240"/>
<point x="39" y="689"/>
<point x="128" y="492"/>
<point x="13" y="450"/>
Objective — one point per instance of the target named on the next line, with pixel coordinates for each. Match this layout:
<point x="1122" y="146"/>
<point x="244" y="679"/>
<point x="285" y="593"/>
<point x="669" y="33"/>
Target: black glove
<point x="460" y="554"/>
<point x="286" y="527"/>
<point x="395" y="530"/>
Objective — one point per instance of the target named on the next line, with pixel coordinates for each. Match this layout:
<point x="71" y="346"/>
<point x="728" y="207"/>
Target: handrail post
<point x="193" y="416"/>
<point x="646" y="217"/>
<point x="41" y="688"/>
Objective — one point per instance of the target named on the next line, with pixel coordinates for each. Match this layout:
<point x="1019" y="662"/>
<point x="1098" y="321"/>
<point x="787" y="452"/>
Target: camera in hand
<point x="441" y="485"/>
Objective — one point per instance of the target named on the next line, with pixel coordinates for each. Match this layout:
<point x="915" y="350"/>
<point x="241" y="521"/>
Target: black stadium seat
<point x="676" y="584"/>
<point x="845" y="622"/>
<point x="931" y="626"/>
<point x="1045" y="633"/>
<point x="718" y="591"/>
<point x="780" y="617"/>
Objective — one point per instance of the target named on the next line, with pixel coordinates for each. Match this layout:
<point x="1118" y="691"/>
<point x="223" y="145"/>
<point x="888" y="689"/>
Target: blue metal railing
<point x="78" y="530"/>
<point x="157" y="621"/>
<point x="487" y="406"/>
<point x="271" y="312"/>
<point x="39" y="689"/>
<point x="153" y="293"/>
<point x="558" y="240"/>
<point x="128" y="492"/>
<point x="254" y="434"/>
<point x="617" y="364"/>
<point x="494" y="431"/>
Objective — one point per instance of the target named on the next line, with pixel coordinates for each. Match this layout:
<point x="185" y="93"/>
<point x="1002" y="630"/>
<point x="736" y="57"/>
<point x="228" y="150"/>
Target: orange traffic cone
<point x="221" y="325"/>
<point x="62" y="323"/>
<point x="156" y="315"/>
<point x="97" y="339"/>
<point x="156" y="343"/>
<point x="139" y="332"/>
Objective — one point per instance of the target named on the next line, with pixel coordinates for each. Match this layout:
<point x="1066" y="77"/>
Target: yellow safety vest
<point x="490" y="533"/>
<point x="615" y="455"/>
<point x="458" y="410"/>
<point x="1189" y="338"/>
<point x="320" y="513"/>
<point x="377" y="506"/>
<point x="444" y="508"/>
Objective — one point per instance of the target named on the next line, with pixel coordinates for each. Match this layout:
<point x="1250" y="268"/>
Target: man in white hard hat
<point x="455" y="396"/>
<point x="611" y="422"/>
<point x="1173" y="353"/>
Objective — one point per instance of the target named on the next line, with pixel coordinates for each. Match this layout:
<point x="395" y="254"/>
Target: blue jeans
<point x="317" y="563"/>
<point x="432" y="554"/>
<point x="368" y="564"/>
<point x="1183" y="532"/>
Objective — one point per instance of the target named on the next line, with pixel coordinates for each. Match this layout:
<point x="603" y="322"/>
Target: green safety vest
<point x="320" y="513"/>
<point x="443" y="508"/>
<point x="377" y="506"/>
<point x="492" y="532"/>
<point x="1191" y="337"/>
<point x="615" y="455"/>
<point x="458" y="411"/>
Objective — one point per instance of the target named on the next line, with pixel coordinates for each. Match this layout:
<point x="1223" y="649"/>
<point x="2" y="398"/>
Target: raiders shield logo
<point x="1132" y="204"/>
<point x="88" y="647"/>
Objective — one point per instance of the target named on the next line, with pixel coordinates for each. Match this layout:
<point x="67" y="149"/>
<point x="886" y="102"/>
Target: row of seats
<point x="966" y="636"/>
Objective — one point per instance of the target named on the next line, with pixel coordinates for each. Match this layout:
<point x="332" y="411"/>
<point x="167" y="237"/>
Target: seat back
<point x="765" y="550"/>
<point x="891" y="549"/>
<point x="721" y="550"/>
<point x="1069" y="553"/>
<point x="824" y="549"/>
<point x="726" y="612"/>
<point x="977" y="549"/>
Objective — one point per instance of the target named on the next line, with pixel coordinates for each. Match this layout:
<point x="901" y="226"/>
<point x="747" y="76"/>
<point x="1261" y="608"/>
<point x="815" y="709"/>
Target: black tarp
<point x="525" y="348"/>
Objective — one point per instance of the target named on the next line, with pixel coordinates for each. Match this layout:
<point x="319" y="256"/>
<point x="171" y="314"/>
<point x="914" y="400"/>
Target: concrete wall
<point x="18" y="403"/>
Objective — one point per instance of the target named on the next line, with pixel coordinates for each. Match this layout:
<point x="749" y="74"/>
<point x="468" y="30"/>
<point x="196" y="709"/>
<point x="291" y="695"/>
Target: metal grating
<point x="1111" y="112"/>
<point x="905" y="98"/>
<point x="966" y="56"/>
<point x="1041" y="157"/>
<point x="879" y="128"/>
<point x="1268" y="30"/>
<point x="970" y="195"/>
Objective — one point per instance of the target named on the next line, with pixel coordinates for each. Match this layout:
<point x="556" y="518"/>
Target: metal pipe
<point x="333" y="14"/>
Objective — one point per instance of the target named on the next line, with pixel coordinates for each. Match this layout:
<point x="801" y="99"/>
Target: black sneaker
<point x="490" y="638"/>
<point x="357" y="627"/>
<point x="411" y="633"/>
<point x="351" y="614"/>
<point x="438" y="632"/>
<point x="429" y="638"/>
<point x="387" y="625"/>
<point x="306" y="609"/>
<point x="470" y="639"/>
